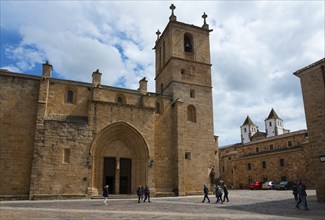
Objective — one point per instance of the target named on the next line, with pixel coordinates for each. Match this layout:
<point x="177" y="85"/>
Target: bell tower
<point x="182" y="55"/>
<point x="183" y="72"/>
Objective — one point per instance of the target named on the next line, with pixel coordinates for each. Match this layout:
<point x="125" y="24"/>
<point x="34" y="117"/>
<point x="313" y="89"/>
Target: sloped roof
<point x="248" y="121"/>
<point x="258" y="135"/>
<point x="273" y="115"/>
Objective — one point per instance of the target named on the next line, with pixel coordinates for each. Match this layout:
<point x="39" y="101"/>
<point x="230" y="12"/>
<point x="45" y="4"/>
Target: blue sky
<point x="255" y="48"/>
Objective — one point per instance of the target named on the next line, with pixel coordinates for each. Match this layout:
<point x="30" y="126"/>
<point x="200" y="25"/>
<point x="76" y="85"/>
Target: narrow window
<point x="282" y="162"/>
<point x="245" y="130"/>
<point x="191" y="113"/>
<point x="161" y="88"/>
<point x="192" y="93"/>
<point x="66" y="155"/>
<point x="164" y="48"/>
<point x="70" y="96"/>
<point x="223" y="168"/>
<point x="120" y="100"/>
<point x="159" y="58"/>
<point x="188" y="156"/>
<point x="270" y="123"/>
<point x="188" y="43"/>
<point x="257" y="149"/>
<point x="289" y="143"/>
<point x="229" y="158"/>
<point x="157" y="108"/>
<point x="249" y="166"/>
<point x="264" y="164"/>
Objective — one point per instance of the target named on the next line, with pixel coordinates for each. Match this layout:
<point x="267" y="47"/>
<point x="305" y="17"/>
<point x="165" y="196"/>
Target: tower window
<point x="66" y="155"/>
<point x="70" y="96"/>
<point x="158" y="110"/>
<point x="120" y="99"/>
<point x="192" y="93"/>
<point x="188" y="156"/>
<point x="188" y="42"/>
<point x="164" y="52"/>
<point x="191" y="113"/>
<point x="270" y="124"/>
<point x="161" y="88"/>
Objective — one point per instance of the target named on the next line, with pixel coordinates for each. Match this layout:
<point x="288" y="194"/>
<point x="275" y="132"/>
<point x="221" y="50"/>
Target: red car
<point x="256" y="185"/>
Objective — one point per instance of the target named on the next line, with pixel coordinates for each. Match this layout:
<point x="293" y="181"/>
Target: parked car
<point x="268" y="185"/>
<point x="255" y="185"/>
<point x="284" y="185"/>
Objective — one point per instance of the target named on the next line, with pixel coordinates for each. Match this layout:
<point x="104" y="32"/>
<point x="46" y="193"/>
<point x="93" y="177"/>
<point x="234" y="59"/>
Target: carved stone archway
<point x="118" y="140"/>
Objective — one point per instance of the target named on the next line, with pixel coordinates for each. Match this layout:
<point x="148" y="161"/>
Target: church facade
<point x="62" y="138"/>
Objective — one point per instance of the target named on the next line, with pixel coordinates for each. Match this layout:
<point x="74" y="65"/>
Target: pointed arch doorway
<point x="119" y="159"/>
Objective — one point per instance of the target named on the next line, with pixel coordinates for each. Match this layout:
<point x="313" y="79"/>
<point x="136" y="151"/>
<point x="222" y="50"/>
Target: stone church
<point x="67" y="139"/>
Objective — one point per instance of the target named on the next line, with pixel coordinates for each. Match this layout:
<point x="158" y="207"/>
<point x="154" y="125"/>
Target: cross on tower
<point x="204" y="16"/>
<point x="172" y="17"/>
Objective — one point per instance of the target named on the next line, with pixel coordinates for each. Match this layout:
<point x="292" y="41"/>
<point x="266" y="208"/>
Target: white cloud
<point x="255" y="47"/>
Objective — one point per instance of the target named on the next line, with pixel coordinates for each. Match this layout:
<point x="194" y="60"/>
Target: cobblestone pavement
<point x="243" y="204"/>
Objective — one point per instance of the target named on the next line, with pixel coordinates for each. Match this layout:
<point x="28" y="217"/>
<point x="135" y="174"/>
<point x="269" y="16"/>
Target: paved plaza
<point x="244" y="204"/>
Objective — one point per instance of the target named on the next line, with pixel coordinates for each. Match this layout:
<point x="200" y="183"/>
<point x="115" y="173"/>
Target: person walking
<point x="295" y="190"/>
<point x="105" y="194"/>
<point x="146" y="193"/>
<point x="206" y="193"/>
<point x="142" y="190"/>
<point x="219" y="194"/>
<point x="140" y="193"/>
<point x="225" y="191"/>
<point x="302" y="196"/>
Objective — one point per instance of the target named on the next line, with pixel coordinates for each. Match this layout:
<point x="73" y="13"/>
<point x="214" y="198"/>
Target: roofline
<point x="4" y="72"/>
<point x="309" y="66"/>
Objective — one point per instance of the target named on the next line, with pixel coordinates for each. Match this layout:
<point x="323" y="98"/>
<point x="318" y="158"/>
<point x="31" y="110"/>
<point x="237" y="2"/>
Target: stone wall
<point x="18" y="108"/>
<point x="312" y="80"/>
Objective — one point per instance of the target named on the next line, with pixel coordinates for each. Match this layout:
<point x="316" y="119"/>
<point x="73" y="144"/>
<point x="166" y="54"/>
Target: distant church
<point x="62" y="138"/>
<point x="274" y="155"/>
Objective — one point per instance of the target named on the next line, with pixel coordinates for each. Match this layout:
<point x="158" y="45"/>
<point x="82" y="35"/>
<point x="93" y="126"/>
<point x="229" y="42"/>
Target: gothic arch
<point x="117" y="140"/>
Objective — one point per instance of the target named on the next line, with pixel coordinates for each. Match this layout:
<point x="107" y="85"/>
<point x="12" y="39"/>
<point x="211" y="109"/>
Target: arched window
<point x="191" y="113"/>
<point x="120" y="99"/>
<point x="70" y="96"/>
<point x="188" y="42"/>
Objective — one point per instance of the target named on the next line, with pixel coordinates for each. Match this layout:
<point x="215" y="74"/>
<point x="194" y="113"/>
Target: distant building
<point x="276" y="155"/>
<point x="312" y="78"/>
<point x="62" y="138"/>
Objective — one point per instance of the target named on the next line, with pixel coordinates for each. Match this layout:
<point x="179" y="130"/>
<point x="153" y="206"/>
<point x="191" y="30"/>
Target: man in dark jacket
<point x="206" y="193"/>
<point x="302" y="196"/>
<point x="139" y="193"/>
<point x="105" y="194"/>
<point x="146" y="194"/>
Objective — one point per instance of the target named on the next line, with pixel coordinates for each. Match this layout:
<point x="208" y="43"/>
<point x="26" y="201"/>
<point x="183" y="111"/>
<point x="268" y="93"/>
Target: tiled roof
<point x="273" y="115"/>
<point x="248" y="121"/>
